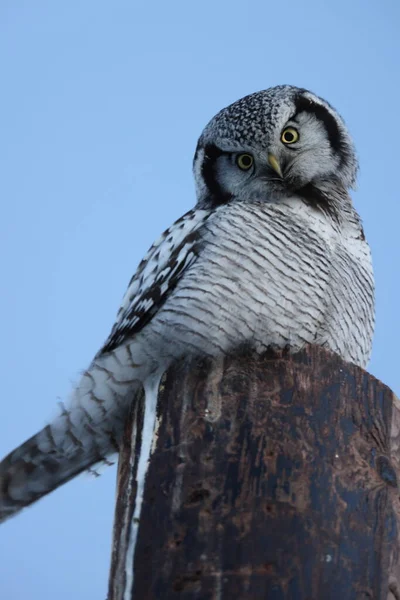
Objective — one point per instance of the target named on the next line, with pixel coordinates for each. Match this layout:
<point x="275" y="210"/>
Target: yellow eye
<point x="244" y="161"/>
<point x="290" y="135"/>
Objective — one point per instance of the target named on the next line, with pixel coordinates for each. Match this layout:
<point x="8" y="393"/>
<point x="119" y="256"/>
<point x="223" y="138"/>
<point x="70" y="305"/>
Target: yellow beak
<point x="273" y="162"/>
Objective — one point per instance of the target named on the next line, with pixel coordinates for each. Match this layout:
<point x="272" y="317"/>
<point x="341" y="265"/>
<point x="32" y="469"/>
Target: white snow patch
<point x="150" y="429"/>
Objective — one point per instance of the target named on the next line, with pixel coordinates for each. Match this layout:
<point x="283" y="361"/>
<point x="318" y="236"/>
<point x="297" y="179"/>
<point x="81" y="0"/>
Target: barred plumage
<point x="273" y="254"/>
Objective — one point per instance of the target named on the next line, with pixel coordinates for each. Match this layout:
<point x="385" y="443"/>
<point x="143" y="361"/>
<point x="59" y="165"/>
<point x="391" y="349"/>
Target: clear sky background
<point x="101" y="104"/>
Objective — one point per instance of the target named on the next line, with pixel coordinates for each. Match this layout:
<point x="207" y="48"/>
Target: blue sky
<point x="101" y="105"/>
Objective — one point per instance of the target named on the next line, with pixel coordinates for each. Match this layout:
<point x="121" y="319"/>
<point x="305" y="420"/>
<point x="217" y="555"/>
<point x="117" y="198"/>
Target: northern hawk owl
<point x="272" y="254"/>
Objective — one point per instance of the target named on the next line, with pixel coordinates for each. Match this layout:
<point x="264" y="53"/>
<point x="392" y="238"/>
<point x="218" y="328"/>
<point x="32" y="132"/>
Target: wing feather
<point x="156" y="276"/>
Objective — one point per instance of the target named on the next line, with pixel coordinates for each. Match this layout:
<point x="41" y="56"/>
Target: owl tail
<point x="85" y="433"/>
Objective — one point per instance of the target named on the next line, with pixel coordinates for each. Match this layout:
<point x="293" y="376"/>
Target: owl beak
<point x="273" y="163"/>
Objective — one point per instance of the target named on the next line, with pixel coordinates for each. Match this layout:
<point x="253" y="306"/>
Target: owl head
<point x="274" y="143"/>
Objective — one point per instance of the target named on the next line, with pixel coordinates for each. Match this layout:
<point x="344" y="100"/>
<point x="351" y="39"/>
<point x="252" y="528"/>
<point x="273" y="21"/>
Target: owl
<point x="272" y="254"/>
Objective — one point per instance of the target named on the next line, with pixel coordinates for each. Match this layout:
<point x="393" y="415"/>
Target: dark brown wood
<point x="273" y="477"/>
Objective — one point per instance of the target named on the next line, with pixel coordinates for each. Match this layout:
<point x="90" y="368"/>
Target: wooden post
<point x="271" y="477"/>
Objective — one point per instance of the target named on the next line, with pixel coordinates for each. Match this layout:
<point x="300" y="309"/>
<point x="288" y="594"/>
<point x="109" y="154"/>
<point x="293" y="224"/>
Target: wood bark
<point x="272" y="477"/>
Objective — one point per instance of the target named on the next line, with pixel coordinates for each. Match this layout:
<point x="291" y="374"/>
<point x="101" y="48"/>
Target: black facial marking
<point x="304" y="104"/>
<point x="315" y="197"/>
<point x="217" y="194"/>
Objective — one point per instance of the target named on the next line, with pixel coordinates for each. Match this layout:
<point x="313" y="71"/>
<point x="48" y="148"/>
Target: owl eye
<point x="290" y="135"/>
<point x="244" y="161"/>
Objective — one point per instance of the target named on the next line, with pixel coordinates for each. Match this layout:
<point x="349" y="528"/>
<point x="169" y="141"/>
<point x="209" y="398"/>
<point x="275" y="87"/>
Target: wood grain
<point x="274" y="477"/>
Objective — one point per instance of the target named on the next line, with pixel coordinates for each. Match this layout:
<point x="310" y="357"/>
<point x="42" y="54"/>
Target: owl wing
<point x="156" y="276"/>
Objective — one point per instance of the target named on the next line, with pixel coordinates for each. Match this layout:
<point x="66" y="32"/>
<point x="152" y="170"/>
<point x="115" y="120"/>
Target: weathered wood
<point x="272" y="477"/>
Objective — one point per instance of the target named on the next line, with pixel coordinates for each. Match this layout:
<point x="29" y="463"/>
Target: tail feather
<point x="28" y="473"/>
<point x="81" y="436"/>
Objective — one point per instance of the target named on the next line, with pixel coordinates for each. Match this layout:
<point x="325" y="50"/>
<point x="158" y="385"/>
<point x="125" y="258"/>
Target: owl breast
<point x="270" y="274"/>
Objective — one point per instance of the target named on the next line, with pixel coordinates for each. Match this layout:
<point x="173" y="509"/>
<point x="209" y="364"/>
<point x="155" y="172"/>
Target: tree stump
<point x="271" y="477"/>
